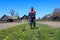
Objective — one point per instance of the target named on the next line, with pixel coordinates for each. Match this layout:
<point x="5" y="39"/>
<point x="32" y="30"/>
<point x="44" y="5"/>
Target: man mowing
<point x="32" y="17"/>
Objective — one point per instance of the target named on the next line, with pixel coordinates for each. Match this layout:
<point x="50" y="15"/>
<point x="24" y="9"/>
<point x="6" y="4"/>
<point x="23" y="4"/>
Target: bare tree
<point x="12" y="12"/>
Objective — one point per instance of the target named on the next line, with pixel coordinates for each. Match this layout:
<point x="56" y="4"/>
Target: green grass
<point x="23" y="32"/>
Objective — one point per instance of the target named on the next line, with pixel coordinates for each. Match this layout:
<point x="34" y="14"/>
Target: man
<point x="32" y="18"/>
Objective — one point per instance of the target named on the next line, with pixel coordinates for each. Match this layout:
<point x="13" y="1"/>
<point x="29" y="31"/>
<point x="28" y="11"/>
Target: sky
<point x="42" y="7"/>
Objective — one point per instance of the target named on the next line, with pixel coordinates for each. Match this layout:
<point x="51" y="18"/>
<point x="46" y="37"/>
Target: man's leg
<point x="31" y="23"/>
<point x="34" y="23"/>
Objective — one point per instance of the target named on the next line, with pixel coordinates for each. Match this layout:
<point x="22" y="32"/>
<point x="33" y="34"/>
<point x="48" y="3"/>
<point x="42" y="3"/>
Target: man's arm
<point x="29" y="15"/>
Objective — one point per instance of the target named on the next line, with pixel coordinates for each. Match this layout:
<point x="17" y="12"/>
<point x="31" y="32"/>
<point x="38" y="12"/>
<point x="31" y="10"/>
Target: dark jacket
<point x="32" y="15"/>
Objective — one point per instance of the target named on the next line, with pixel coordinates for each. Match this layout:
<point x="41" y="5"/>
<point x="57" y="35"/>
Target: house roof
<point x="25" y="17"/>
<point x="5" y="17"/>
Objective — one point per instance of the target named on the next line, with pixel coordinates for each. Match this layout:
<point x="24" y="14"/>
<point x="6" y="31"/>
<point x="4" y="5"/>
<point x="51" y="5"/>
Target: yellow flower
<point x="20" y="38"/>
<point x="4" y="39"/>
<point x="50" y="38"/>
<point x="23" y="32"/>
<point x="36" y="38"/>
<point x="10" y="34"/>
<point x="7" y="37"/>
<point x="15" y="32"/>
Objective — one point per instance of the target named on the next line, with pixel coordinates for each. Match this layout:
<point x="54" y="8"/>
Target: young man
<point x="32" y="18"/>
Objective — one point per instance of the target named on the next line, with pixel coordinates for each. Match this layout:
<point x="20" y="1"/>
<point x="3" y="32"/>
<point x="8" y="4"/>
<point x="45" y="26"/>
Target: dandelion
<point x="20" y="38"/>
<point x="23" y="32"/>
<point x="4" y="39"/>
<point x="15" y="32"/>
<point x="50" y="38"/>
<point x="36" y="38"/>
<point x="7" y="37"/>
<point x="10" y="34"/>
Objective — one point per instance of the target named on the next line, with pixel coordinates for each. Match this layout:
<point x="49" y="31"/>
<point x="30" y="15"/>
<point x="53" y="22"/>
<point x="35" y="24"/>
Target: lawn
<point x="23" y="32"/>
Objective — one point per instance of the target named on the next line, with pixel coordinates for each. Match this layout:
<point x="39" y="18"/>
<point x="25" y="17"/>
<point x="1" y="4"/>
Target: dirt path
<point x="52" y="24"/>
<point x="8" y="25"/>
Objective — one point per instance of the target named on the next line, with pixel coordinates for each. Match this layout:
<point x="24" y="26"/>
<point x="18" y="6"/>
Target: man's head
<point x="32" y="8"/>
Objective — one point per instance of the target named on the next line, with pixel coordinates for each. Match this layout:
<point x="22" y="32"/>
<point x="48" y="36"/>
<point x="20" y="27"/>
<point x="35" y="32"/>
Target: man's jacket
<point x="32" y="15"/>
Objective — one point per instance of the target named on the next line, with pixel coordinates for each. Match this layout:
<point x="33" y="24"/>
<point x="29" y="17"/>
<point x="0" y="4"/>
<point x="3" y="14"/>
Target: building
<point x="55" y="16"/>
<point x="6" y="18"/>
<point x="24" y="18"/>
<point x="47" y="17"/>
